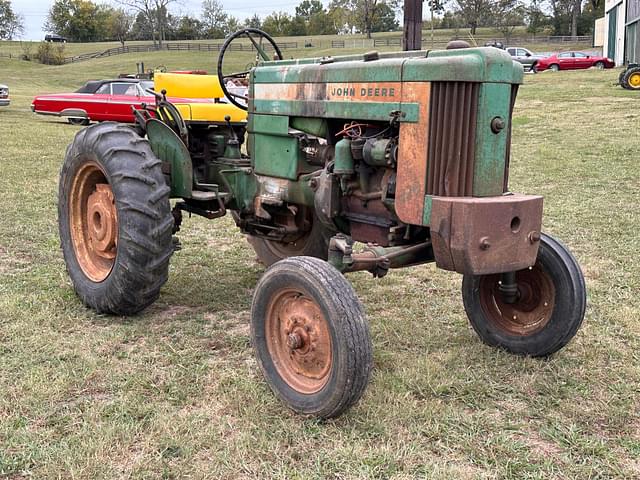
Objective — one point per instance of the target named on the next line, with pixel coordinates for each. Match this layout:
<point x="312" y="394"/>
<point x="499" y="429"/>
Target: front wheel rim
<point x="298" y="340"/>
<point x="634" y="80"/>
<point x="93" y="221"/>
<point x="532" y="310"/>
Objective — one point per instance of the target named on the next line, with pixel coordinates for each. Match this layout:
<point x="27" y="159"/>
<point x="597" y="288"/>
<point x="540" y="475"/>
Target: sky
<point x="35" y="11"/>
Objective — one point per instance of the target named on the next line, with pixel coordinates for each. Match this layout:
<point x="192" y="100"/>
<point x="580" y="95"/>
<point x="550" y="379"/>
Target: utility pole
<point x="412" y="33"/>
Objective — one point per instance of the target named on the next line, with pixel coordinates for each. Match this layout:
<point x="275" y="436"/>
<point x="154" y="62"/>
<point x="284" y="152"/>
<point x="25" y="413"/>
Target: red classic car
<point x="573" y="61"/>
<point x="112" y="99"/>
<point x="97" y="101"/>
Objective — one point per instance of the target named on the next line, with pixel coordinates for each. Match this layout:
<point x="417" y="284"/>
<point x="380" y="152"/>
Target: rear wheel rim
<point x="532" y="310"/>
<point x="298" y="340"/>
<point x="93" y="221"/>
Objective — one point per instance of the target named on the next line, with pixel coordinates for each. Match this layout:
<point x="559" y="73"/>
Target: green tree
<point x="474" y="13"/>
<point x="507" y="15"/>
<point x="120" y="23"/>
<point x="253" y="22"/>
<point x="535" y="17"/>
<point x="189" y="28"/>
<point x="73" y="19"/>
<point x="308" y="8"/>
<point x="277" y="24"/>
<point x="214" y="19"/>
<point x="365" y="16"/>
<point x="11" y="24"/>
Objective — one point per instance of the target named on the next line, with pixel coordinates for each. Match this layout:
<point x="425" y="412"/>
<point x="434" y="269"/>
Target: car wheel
<point x="79" y="121"/>
<point x="555" y="67"/>
<point x="599" y="65"/>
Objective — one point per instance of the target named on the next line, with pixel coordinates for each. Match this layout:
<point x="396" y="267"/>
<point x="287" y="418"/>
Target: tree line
<point x="122" y="20"/>
<point x="86" y="21"/>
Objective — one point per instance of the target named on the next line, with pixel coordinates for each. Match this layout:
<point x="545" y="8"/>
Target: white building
<point x="622" y="31"/>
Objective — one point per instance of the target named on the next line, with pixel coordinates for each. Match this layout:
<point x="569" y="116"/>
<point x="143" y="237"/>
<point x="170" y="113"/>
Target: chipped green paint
<point x="335" y="109"/>
<point x="491" y="148"/>
<point x="168" y="147"/>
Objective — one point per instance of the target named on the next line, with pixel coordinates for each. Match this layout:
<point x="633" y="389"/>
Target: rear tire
<point x="548" y="312"/>
<point x="114" y="219"/>
<point x="310" y="336"/>
<point x="313" y="244"/>
<point x="632" y="78"/>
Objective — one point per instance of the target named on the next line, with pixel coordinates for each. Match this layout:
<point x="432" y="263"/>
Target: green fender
<point x="169" y="148"/>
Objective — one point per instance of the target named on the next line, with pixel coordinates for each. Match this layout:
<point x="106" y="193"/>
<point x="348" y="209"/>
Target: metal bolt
<point x="497" y="124"/>
<point x="484" y="243"/>
<point x="534" y="237"/>
<point x="294" y="341"/>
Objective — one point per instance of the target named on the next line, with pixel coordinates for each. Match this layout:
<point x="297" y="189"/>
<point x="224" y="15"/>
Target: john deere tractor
<point x="328" y="165"/>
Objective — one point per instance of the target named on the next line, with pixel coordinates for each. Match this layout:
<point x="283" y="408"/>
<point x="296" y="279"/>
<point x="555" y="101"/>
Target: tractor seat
<point x="208" y="98"/>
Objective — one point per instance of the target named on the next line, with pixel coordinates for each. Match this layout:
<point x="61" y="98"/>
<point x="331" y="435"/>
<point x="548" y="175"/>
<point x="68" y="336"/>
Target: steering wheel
<point x="256" y="37"/>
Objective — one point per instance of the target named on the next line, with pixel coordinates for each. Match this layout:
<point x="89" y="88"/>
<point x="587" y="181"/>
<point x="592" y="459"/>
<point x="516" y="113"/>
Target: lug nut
<point x="484" y="243"/>
<point x="294" y="341"/>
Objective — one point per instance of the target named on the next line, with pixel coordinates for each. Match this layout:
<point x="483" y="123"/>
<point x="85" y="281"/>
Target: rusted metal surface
<point x="298" y="340"/>
<point x="452" y="138"/>
<point x="486" y="235"/>
<point x="370" y="220"/>
<point x="343" y="91"/>
<point x="94" y="222"/>
<point x="533" y="307"/>
<point x="412" y="156"/>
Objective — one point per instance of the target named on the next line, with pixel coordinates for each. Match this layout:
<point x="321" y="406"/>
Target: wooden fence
<point x="336" y="44"/>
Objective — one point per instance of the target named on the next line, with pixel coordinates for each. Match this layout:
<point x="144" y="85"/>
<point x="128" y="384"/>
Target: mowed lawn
<point x="176" y="393"/>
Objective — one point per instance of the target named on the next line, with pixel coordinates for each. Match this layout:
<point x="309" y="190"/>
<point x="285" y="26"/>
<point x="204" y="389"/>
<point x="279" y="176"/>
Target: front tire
<point x="311" y="337"/>
<point x="547" y="313"/>
<point x="114" y="219"/>
<point x="599" y="65"/>
<point x="555" y="67"/>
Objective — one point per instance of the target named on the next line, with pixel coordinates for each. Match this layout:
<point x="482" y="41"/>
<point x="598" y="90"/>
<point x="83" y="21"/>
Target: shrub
<point x="50" y="54"/>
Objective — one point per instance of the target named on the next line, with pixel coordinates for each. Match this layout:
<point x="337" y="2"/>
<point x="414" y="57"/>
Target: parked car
<point x="573" y="61"/>
<point x="113" y="99"/>
<point x="97" y="100"/>
<point x="52" y="37"/>
<point x="527" y="58"/>
<point x="4" y="96"/>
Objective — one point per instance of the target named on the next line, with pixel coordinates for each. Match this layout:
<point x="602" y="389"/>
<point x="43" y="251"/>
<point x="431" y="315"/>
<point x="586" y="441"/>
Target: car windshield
<point x="146" y="85"/>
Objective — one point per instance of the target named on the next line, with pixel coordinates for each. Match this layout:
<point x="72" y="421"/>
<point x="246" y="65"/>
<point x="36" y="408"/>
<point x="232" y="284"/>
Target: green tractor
<point x="329" y="165"/>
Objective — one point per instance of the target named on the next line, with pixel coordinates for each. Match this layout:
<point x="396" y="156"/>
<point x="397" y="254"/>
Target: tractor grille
<point x="452" y="138"/>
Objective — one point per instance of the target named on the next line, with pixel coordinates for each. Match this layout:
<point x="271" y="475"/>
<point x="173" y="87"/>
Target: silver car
<point x="525" y="57"/>
<point x="4" y="95"/>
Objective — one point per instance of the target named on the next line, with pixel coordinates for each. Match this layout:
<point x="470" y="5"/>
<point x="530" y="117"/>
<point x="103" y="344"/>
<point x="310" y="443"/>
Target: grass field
<point x="176" y="392"/>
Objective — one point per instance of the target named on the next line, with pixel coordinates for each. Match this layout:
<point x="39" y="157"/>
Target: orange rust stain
<point x="412" y="156"/>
